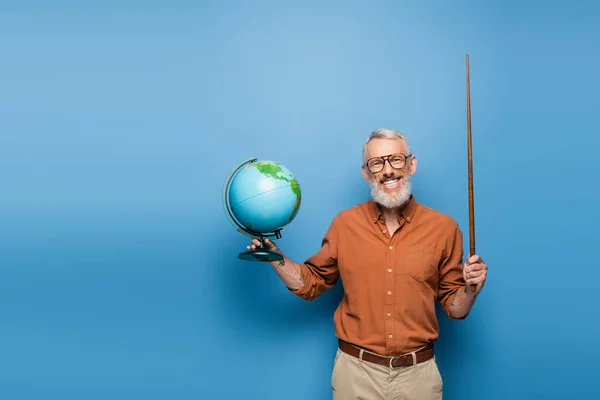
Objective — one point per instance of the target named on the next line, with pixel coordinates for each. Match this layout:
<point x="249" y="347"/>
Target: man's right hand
<point x="287" y="270"/>
<point x="255" y="244"/>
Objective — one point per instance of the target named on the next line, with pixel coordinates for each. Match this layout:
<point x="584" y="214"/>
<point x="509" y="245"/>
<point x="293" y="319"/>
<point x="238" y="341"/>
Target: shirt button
<point x="389" y="270"/>
<point x="391" y="247"/>
<point x="390" y="336"/>
<point x="389" y="292"/>
<point x="384" y="231"/>
<point x="389" y="315"/>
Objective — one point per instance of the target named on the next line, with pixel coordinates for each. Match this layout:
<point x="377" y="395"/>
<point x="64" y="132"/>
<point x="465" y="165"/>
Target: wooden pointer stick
<point x="470" y="163"/>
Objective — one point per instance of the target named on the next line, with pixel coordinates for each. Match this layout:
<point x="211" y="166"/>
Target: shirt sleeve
<point x="320" y="271"/>
<point x="451" y="271"/>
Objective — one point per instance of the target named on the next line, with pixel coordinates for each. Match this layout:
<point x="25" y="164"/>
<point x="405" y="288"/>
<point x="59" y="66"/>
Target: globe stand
<point x="262" y="253"/>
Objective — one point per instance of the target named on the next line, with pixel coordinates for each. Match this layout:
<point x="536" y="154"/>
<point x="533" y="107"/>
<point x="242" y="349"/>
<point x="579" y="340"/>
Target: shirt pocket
<point x="421" y="263"/>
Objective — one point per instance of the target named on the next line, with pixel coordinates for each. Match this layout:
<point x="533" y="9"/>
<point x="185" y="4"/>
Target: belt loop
<point x="360" y="355"/>
<point x="414" y="357"/>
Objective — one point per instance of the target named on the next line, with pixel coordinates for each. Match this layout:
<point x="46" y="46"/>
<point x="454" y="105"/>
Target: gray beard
<point x="388" y="201"/>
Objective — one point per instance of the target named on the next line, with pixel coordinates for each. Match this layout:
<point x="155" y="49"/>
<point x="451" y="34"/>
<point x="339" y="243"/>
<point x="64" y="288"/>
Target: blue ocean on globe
<point x="264" y="196"/>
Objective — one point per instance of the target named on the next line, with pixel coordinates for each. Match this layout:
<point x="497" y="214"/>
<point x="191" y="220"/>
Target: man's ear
<point x="366" y="174"/>
<point x="413" y="165"/>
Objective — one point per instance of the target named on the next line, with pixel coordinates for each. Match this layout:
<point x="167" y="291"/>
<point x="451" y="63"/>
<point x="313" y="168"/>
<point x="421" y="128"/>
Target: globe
<point x="260" y="198"/>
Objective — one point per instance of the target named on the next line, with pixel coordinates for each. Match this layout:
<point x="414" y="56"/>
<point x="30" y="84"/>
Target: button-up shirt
<point x="391" y="283"/>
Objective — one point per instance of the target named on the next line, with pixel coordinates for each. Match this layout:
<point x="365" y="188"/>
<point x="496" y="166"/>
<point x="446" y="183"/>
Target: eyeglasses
<point x="397" y="161"/>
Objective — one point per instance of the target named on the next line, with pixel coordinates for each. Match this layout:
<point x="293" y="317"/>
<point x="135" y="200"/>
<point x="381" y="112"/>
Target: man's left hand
<point x="475" y="273"/>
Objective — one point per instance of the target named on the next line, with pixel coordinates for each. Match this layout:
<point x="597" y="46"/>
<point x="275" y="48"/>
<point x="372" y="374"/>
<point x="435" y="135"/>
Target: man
<point x="395" y="257"/>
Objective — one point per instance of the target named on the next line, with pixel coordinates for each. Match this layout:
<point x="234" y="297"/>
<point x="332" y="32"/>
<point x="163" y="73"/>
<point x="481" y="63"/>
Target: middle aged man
<point x="396" y="258"/>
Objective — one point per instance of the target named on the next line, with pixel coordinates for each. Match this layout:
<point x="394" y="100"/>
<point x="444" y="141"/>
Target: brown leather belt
<point x="404" y="360"/>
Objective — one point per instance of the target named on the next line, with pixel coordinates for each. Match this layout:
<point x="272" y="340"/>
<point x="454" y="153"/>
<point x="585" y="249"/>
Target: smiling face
<point x="390" y="187"/>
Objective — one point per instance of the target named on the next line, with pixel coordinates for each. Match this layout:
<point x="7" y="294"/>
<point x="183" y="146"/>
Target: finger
<point x="254" y="244"/>
<point x="476" y="280"/>
<point x="475" y="267"/>
<point x="472" y="274"/>
<point x="474" y="259"/>
<point x="473" y="282"/>
<point x="475" y="274"/>
<point x="271" y="244"/>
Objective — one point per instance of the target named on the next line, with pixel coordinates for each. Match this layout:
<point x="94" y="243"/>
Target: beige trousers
<point x="355" y="379"/>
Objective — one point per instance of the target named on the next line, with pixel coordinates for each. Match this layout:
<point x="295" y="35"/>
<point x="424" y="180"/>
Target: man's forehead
<point x="383" y="146"/>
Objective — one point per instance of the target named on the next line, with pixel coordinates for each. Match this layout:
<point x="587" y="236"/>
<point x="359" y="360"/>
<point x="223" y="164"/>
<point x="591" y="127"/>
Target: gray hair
<point x="383" y="133"/>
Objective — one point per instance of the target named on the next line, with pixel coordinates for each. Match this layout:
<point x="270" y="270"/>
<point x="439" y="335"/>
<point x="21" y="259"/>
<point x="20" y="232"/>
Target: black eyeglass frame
<point x="387" y="158"/>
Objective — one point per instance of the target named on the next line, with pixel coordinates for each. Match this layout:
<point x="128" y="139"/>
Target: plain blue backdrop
<point x="120" y="120"/>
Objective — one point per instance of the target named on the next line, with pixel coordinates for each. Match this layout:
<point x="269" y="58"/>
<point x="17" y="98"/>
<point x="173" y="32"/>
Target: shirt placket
<point x="389" y="295"/>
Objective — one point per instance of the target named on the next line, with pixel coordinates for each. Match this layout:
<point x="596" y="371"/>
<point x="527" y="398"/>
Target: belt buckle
<point x="392" y="361"/>
<point x="413" y="355"/>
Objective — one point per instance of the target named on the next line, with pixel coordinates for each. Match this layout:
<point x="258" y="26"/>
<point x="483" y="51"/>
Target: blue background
<point x="119" y="122"/>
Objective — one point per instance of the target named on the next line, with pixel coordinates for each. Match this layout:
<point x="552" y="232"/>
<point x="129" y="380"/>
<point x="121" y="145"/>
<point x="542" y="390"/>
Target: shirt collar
<point x="407" y="213"/>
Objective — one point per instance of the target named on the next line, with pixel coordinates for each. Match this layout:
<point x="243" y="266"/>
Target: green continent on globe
<point x="274" y="171"/>
<point x="296" y="190"/>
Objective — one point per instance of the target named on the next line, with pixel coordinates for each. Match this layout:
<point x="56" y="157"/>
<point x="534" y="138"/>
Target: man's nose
<point x="387" y="167"/>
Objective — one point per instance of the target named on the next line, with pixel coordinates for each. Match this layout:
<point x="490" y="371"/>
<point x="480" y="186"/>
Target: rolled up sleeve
<point x="451" y="271"/>
<point x="320" y="271"/>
